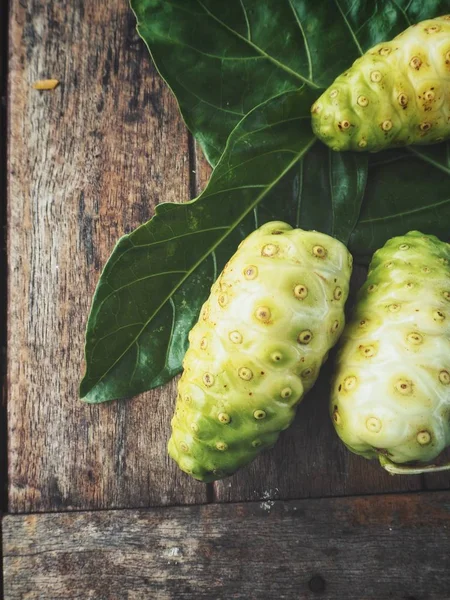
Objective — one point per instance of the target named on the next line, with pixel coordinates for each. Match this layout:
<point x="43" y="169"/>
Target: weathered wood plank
<point x="309" y="460"/>
<point x="3" y="262"/>
<point x="366" y="548"/>
<point x="202" y="170"/>
<point x="87" y="163"/>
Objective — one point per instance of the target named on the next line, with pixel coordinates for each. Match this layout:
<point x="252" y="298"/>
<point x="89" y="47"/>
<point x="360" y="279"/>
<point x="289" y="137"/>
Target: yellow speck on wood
<point x="46" y="84"/>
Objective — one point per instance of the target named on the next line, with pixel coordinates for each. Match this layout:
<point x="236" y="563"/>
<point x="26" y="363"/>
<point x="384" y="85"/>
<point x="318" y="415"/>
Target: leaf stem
<point x="395" y="469"/>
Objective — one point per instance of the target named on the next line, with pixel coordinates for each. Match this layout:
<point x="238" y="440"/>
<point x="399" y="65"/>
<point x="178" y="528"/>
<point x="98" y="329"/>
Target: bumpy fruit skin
<point x="391" y="393"/>
<point x="396" y="94"/>
<point x="272" y="316"/>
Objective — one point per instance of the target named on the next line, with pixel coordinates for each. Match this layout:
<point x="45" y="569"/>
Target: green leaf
<point x="406" y="189"/>
<point x="222" y="59"/>
<point x="155" y="281"/>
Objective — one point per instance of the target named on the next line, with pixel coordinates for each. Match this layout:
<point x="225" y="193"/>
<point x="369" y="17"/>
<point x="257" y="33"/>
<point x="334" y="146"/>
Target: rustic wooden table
<point x="95" y="507"/>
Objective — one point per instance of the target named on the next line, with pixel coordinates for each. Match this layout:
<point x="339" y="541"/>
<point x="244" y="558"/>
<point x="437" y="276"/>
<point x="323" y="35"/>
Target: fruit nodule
<point x="272" y="316"/>
<point x="396" y="94"/>
<point x="391" y="392"/>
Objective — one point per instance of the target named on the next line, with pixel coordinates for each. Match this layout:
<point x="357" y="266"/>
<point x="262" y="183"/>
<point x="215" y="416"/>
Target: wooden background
<point x="87" y="163"/>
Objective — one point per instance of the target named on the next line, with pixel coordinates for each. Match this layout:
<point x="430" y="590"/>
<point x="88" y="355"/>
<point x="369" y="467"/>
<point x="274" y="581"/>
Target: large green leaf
<point x="223" y="58"/>
<point x="152" y="287"/>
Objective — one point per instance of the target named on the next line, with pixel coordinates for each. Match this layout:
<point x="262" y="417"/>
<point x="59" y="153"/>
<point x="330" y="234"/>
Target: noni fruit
<point x="391" y="393"/>
<point x="396" y="94"/>
<point x="264" y="332"/>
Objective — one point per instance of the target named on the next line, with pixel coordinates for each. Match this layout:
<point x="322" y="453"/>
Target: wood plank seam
<point x="195" y="174"/>
<point x="4" y="6"/>
<point x="193" y="183"/>
<point x="211" y="499"/>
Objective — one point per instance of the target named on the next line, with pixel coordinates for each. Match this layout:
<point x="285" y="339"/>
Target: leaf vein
<point x="402" y="11"/>
<point x="244" y="10"/>
<point x="409" y="212"/>
<point x="349" y="27"/>
<point x="300" y="26"/>
<point x="272" y="59"/>
<point x="429" y="160"/>
<point x="177" y="237"/>
<point x="131" y="283"/>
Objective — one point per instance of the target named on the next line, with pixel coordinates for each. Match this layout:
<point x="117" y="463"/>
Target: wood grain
<point x="87" y="163"/>
<point x="366" y="548"/>
<point x="203" y="170"/>
<point x="3" y="260"/>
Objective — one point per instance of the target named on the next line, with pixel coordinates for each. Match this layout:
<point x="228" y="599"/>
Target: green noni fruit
<point x="391" y="393"/>
<point x="272" y="316"/>
<point x="396" y="94"/>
